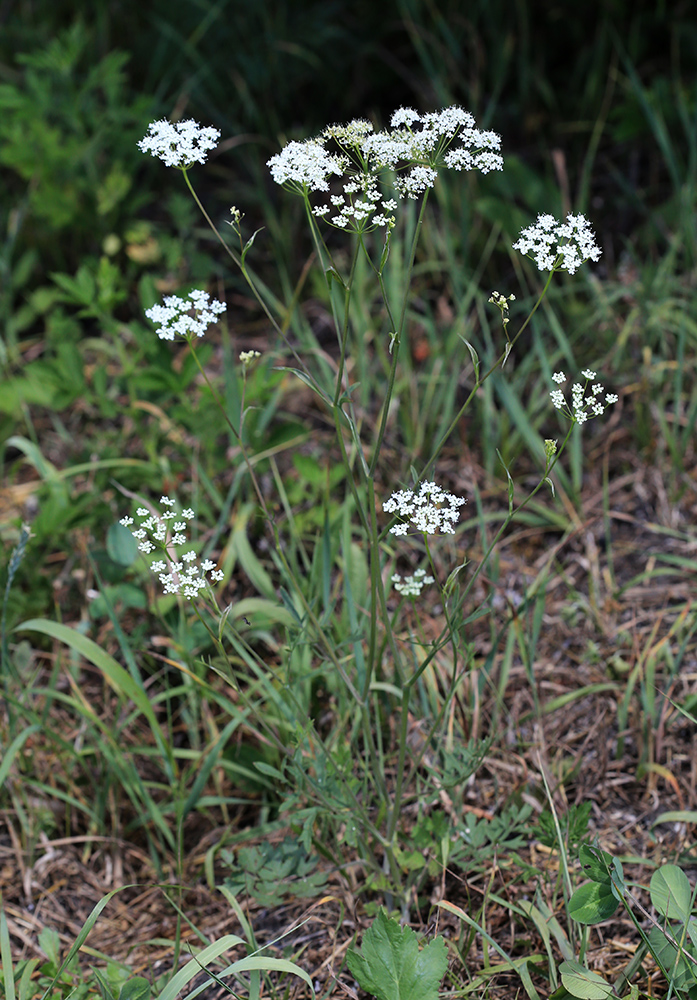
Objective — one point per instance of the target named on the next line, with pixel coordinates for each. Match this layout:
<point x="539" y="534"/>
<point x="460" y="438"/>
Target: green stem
<point x="251" y="284"/>
<point x="396" y="335"/>
<point x="481" y="381"/>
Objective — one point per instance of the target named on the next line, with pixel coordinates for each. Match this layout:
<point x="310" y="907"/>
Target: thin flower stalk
<point x="480" y="381"/>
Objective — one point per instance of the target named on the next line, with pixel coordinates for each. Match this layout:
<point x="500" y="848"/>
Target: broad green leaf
<point x="392" y="967"/>
<point x="596" y="864"/>
<point x="121" y="545"/>
<point x="680" y="970"/>
<point x="136" y="988"/>
<point x="670" y="892"/>
<point x="582" y="983"/>
<point x="592" y="903"/>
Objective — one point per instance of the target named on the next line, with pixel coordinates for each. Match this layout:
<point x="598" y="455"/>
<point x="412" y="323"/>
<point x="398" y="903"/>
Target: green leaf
<point x="582" y="983"/>
<point x="198" y="964"/>
<point x="113" y="672"/>
<point x="121" y="545"/>
<point x="473" y="355"/>
<point x="136" y="988"/>
<point x="596" y="864"/>
<point x="270" y="771"/>
<point x="50" y="944"/>
<point x="248" y="245"/>
<point x="670" y="892"/>
<point x="679" y="815"/>
<point x="392" y="967"/>
<point x="680" y="971"/>
<point x="105" y="989"/>
<point x="6" y="956"/>
<point x="592" y="903"/>
<point x="13" y="749"/>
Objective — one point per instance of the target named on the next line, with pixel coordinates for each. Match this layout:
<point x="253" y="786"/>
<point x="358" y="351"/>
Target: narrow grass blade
<point x="6" y="956"/>
<point x="119" y="678"/>
<point x="11" y="752"/>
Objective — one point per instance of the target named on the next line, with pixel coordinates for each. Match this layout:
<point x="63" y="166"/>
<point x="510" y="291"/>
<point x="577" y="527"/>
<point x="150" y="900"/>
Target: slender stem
<point x="396" y="334"/>
<point x="481" y="381"/>
<point x="239" y="261"/>
<point x="345" y="326"/>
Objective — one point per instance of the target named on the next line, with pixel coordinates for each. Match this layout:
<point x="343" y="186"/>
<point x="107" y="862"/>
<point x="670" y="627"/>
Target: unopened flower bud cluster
<point x="586" y="400"/>
<point x="431" y="510"/>
<point x="185" y="576"/>
<point x="248" y="358"/>
<point x="411" y="586"/>
<point x="501" y="302"/>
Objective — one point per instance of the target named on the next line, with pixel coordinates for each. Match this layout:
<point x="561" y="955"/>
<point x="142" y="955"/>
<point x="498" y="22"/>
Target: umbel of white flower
<point x="175" y="315"/>
<point x="583" y="407"/>
<point x="559" y="246"/>
<point x="431" y="510"/>
<point x="415" y="148"/>
<point x="164" y="532"/>
<point x="411" y="586"/>
<point x="181" y="144"/>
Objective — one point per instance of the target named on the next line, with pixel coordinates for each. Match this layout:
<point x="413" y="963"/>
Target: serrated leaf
<point x="592" y="903"/>
<point x="392" y="967"/>
<point x="582" y="983"/>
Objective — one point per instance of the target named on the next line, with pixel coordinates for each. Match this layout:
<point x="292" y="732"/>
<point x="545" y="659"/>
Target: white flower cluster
<point x="583" y="407"/>
<point x="306" y="164"/>
<point x="559" y="246"/>
<point x="411" y="586"/>
<point x="175" y="317"/>
<point x="424" y="509"/>
<point x="415" y="147"/>
<point x="181" y="144"/>
<point x="185" y="576"/>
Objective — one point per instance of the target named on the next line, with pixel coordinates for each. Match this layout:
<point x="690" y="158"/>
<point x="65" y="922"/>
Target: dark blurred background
<point x="569" y="86"/>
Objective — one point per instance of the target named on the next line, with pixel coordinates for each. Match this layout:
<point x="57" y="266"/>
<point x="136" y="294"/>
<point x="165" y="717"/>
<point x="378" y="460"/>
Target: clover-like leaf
<point x="593" y="903"/>
<point x="582" y="983"/>
<point x="670" y="892"/>
<point x="391" y="967"/>
<point x="681" y="971"/>
<point x="596" y="864"/>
